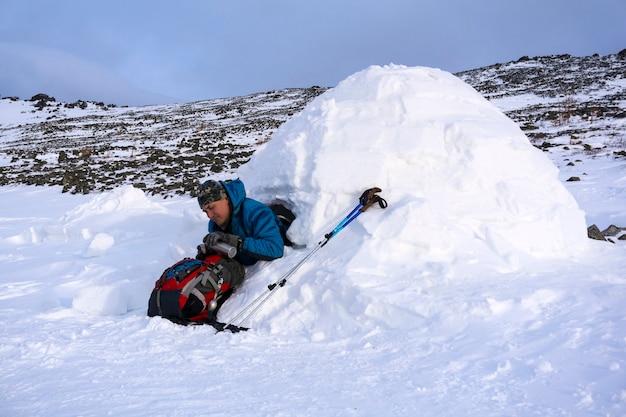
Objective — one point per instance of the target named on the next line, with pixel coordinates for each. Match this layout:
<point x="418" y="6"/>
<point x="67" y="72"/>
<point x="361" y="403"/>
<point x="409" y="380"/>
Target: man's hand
<point x="203" y="251"/>
<point x="213" y="238"/>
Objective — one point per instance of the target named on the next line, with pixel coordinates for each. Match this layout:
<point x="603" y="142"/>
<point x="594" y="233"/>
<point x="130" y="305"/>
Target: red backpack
<point x="192" y="291"/>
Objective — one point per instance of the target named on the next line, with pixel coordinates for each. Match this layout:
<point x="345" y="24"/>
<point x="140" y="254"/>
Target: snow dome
<point x="460" y="177"/>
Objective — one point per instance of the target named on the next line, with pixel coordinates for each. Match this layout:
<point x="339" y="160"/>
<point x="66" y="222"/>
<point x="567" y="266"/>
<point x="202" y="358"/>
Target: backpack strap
<point x="203" y="277"/>
<point x="207" y="275"/>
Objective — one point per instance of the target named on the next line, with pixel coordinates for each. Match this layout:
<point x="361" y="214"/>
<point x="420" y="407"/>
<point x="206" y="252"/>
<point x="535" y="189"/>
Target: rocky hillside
<point x="571" y="99"/>
<point x="84" y="146"/>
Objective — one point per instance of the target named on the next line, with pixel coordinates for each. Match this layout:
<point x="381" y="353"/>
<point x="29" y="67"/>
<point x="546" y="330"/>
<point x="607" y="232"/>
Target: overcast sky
<point x="156" y="51"/>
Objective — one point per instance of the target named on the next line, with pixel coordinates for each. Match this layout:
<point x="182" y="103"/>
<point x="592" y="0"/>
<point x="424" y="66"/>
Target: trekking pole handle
<point x="369" y="197"/>
<point x="225" y="249"/>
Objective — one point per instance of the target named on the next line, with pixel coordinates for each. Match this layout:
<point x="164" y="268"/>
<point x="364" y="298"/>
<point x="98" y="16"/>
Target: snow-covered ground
<point x="475" y="293"/>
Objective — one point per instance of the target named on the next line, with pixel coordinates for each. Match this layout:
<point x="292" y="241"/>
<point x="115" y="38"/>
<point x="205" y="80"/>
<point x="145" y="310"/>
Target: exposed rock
<point x="42" y="97"/>
<point x="610" y="234"/>
<point x="613" y="230"/>
<point x="593" y="232"/>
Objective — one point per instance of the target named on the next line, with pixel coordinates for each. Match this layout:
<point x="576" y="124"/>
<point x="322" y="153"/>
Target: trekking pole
<point x="367" y="199"/>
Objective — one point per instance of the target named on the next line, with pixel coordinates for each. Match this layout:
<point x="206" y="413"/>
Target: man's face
<point x="218" y="211"/>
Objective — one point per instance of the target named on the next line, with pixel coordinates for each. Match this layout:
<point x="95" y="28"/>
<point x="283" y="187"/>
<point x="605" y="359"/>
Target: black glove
<point x="213" y="238"/>
<point x="203" y="251"/>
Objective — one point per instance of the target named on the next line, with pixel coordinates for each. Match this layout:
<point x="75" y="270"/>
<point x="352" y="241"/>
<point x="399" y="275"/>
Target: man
<point x="242" y="222"/>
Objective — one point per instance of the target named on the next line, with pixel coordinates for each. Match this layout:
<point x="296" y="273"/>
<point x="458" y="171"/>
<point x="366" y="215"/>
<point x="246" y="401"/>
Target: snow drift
<point x="461" y="178"/>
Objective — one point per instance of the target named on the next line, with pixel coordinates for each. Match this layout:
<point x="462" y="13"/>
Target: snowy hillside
<point x="84" y="146"/>
<point x="581" y="98"/>
<point x="475" y="293"/>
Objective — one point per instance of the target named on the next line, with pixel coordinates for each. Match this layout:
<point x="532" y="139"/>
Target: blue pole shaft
<point x="351" y="216"/>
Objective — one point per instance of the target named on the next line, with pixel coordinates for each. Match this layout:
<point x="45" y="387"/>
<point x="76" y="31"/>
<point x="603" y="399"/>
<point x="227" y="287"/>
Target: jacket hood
<point x="236" y="193"/>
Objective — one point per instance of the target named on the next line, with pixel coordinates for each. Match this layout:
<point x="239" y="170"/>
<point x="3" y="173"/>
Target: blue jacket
<point x="254" y="222"/>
